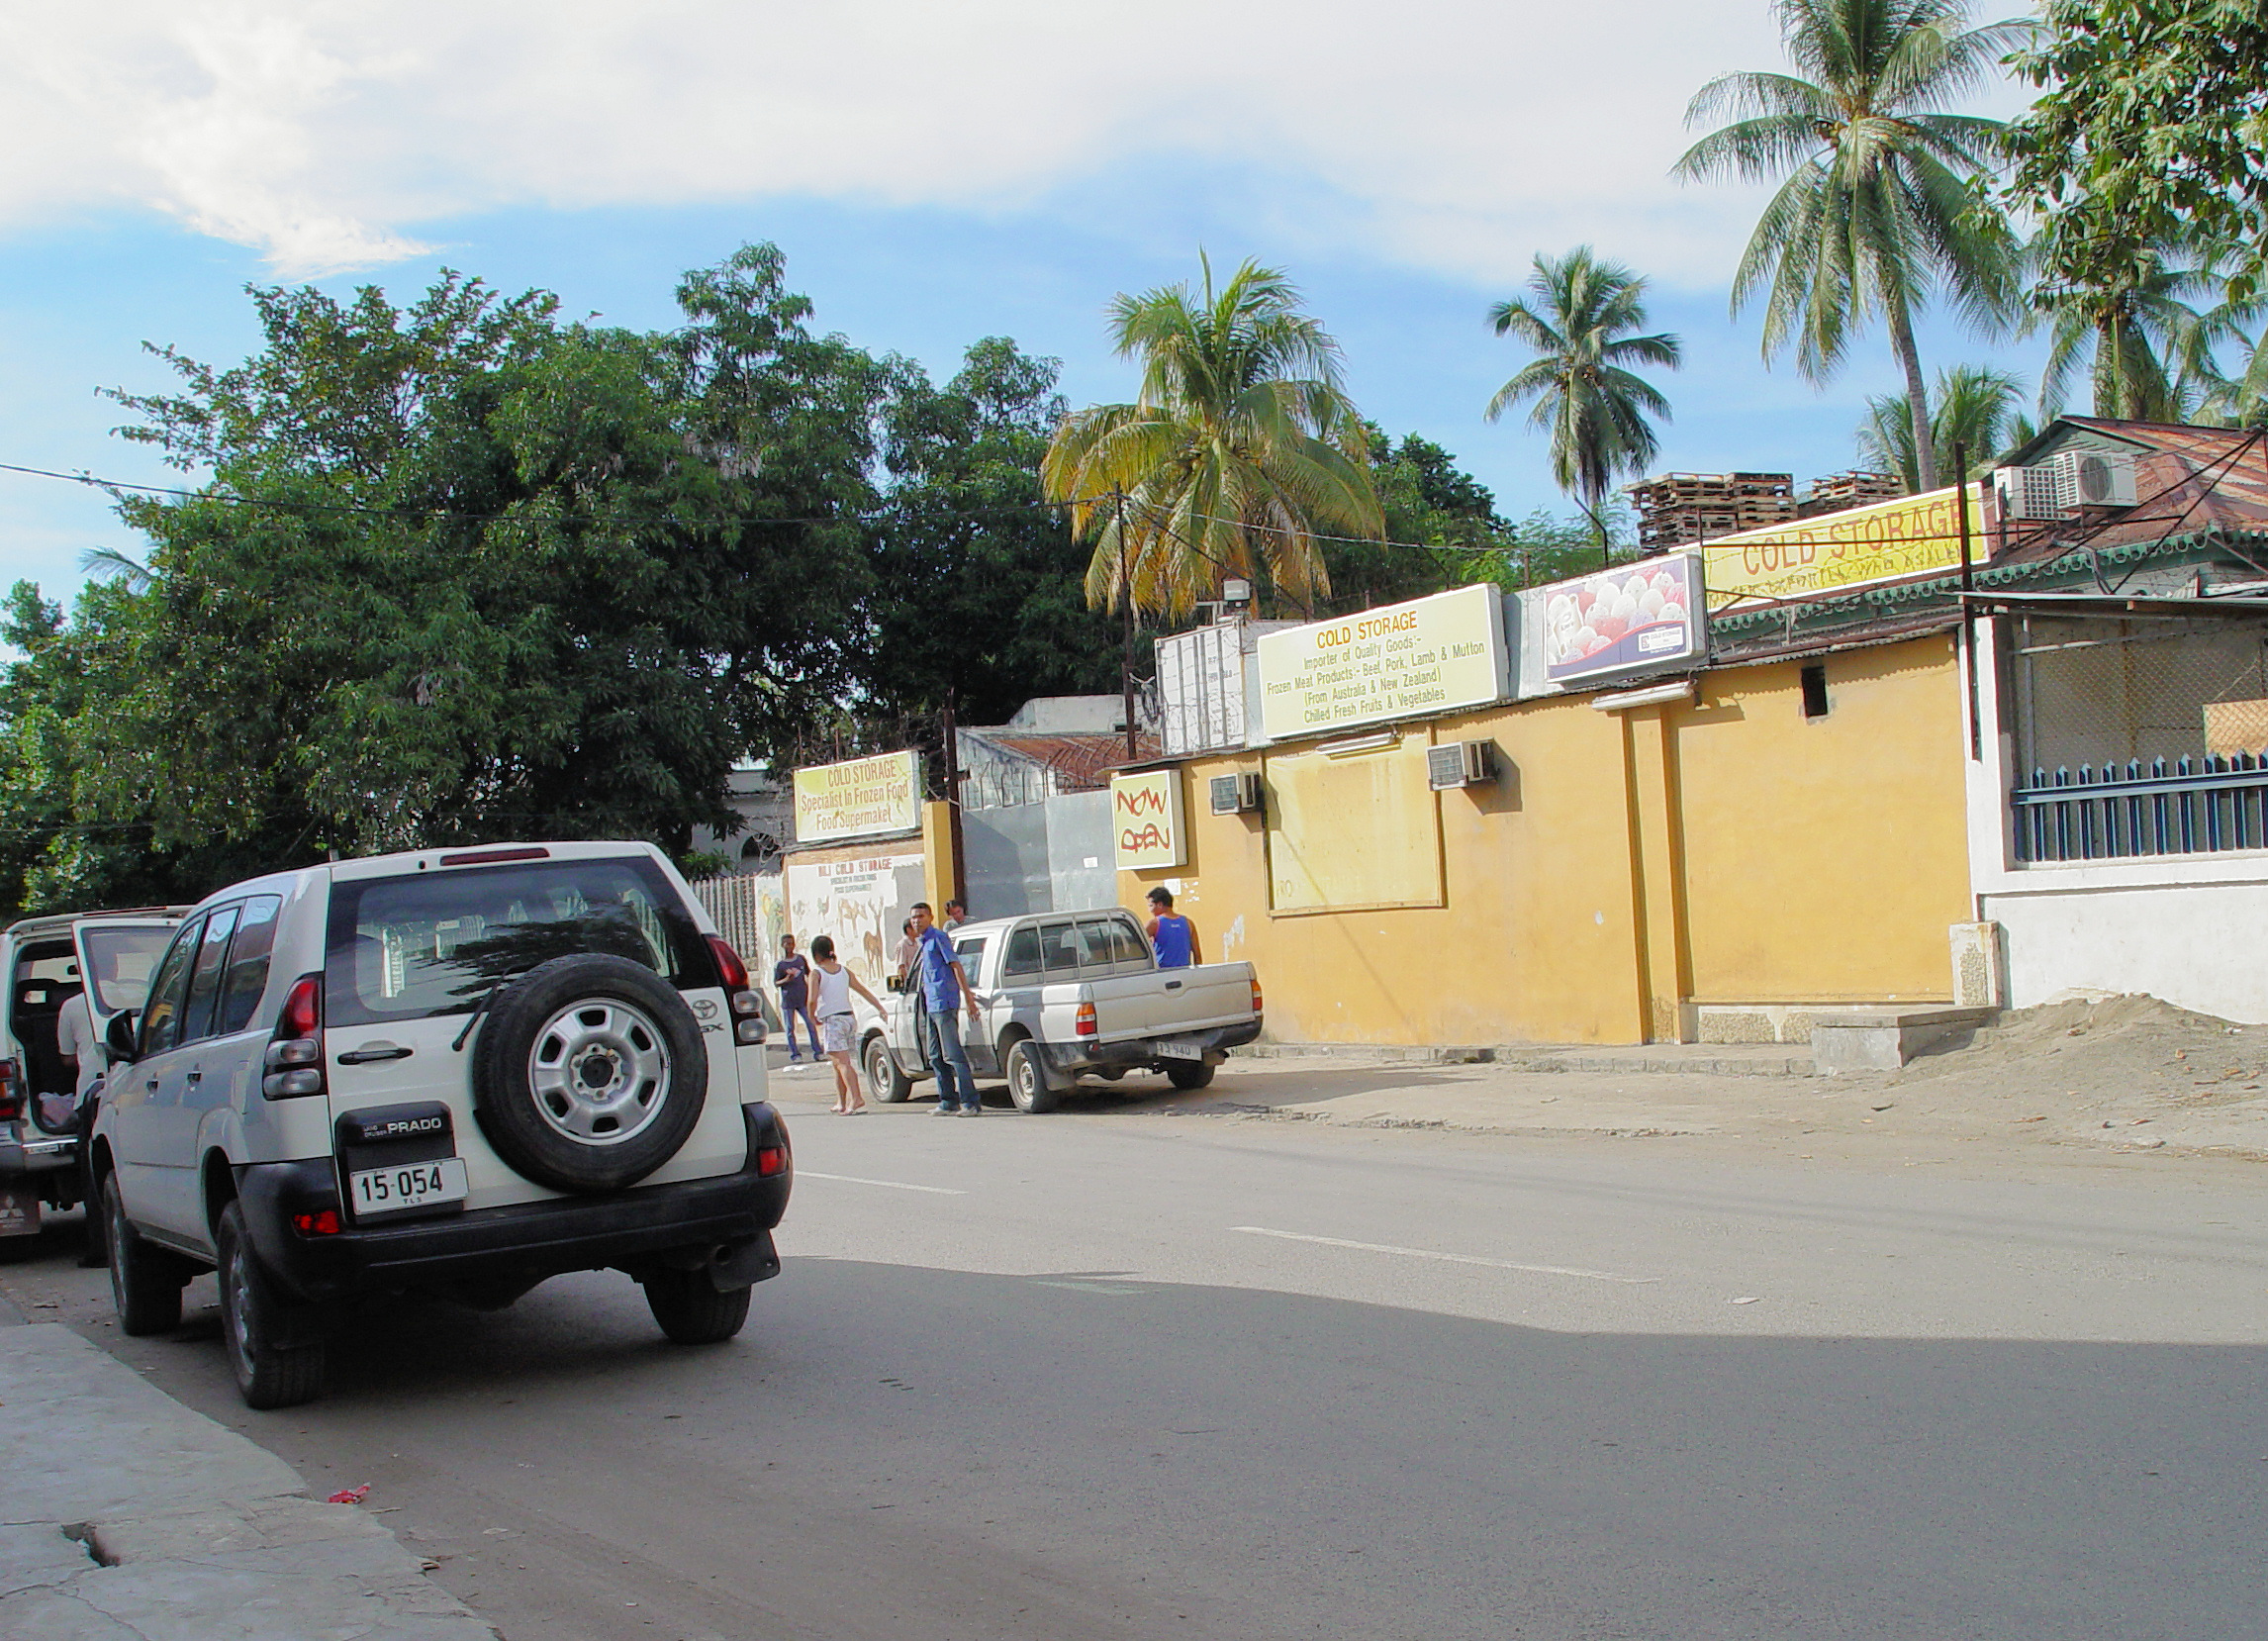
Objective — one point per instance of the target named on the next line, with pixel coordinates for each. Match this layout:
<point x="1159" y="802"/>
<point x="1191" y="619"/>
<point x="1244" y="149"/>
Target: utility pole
<point x="957" y="887"/>
<point x="1125" y="585"/>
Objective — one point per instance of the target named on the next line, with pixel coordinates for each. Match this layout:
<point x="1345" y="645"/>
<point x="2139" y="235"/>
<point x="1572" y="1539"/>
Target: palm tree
<point x="1974" y="409"/>
<point x="1580" y="325"/>
<point x="1239" y="450"/>
<point x="2146" y="351"/>
<point x="1876" y="214"/>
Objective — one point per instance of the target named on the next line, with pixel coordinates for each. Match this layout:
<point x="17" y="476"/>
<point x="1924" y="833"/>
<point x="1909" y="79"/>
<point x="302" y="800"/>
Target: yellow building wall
<point x="1724" y="850"/>
<point x="1826" y="859"/>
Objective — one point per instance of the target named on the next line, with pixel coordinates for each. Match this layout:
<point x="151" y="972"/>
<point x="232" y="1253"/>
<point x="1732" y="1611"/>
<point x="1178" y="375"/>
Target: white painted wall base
<point x="2202" y="948"/>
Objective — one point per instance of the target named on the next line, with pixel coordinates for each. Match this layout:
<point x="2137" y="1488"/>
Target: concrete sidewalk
<point x="125" y="1516"/>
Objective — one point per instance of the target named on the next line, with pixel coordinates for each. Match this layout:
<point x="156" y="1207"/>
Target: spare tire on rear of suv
<point x="589" y="1072"/>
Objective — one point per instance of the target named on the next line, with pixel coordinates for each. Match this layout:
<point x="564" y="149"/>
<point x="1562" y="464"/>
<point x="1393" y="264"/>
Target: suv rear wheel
<point x="690" y="1308"/>
<point x="268" y="1374"/>
<point x="145" y="1283"/>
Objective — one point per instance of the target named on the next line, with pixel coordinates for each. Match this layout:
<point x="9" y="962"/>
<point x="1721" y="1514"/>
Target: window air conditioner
<point x="2094" y="478"/>
<point x="1459" y="763"/>
<point x="2028" y="492"/>
<point x="1235" y="794"/>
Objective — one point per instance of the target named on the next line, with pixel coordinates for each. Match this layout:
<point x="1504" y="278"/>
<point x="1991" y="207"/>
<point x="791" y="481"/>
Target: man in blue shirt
<point x="944" y="989"/>
<point x="1174" y="937"/>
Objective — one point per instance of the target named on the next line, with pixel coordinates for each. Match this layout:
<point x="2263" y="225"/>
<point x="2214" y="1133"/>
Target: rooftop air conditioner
<point x="1235" y="794"/>
<point x="1459" y="763"/>
<point x="2094" y="478"/>
<point x="2028" y="492"/>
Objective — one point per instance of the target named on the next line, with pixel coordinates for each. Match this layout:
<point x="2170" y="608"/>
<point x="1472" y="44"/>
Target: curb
<point x="129" y="1514"/>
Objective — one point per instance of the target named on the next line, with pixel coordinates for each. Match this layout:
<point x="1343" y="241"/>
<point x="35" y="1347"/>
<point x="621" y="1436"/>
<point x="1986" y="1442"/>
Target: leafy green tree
<point x="2135" y="327"/>
<point x="462" y="572"/>
<point x="1582" y="323"/>
<point x="1241" y="451"/>
<point x="980" y="591"/>
<point x="1879" y="209"/>
<point x="1974" y="409"/>
<point x="2151" y="130"/>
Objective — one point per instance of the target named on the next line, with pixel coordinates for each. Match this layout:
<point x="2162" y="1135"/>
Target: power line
<point x="879" y="515"/>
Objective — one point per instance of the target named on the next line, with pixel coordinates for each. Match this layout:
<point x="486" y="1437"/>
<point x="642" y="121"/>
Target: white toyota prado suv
<point x="458" y="1072"/>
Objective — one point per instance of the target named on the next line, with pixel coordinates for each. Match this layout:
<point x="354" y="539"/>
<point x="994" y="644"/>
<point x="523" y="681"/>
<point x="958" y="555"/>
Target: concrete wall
<point x="1631" y="864"/>
<point x="2195" y="945"/>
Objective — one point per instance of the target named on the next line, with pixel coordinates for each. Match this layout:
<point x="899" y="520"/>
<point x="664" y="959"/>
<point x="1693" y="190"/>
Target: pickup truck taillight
<point x="1084" y="1022"/>
<point x="1256" y="1008"/>
<point x="293" y="1063"/>
<point x="747" y="1007"/>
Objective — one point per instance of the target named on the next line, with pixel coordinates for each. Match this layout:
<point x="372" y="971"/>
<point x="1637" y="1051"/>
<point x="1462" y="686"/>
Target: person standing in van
<point x="838" y="1021"/>
<point x="1174" y="937"/>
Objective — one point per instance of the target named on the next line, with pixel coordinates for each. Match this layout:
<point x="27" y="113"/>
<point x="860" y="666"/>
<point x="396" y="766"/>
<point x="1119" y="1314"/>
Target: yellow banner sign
<point x="863" y="798"/>
<point x="1429" y="655"/>
<point x="1146" y="819"/>
<point x="1837" y="551"/>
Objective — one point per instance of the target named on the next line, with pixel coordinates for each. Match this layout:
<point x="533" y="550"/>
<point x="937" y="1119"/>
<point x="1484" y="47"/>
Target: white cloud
<point x="1456" y="135"/>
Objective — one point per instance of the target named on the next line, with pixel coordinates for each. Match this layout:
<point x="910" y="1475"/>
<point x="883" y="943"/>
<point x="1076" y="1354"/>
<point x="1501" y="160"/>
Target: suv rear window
<point x="410" y="947"/>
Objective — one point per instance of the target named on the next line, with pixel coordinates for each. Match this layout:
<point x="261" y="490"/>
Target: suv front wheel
<point x="268" y="1374"/>
<point x="146" y="1283"/>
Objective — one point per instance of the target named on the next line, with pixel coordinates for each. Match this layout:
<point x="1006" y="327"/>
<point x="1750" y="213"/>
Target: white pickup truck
<point x="1070" y="994"/>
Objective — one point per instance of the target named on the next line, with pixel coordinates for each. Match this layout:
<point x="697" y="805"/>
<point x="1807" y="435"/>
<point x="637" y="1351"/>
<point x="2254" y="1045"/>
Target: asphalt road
<point x="1115" y="1374"/>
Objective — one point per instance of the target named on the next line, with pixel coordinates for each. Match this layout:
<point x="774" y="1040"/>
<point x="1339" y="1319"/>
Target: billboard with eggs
<point x="1629" y="618"/>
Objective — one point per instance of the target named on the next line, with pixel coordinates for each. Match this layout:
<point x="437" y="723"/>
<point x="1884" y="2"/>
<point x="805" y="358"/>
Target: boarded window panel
<point x="1350" y="833"/>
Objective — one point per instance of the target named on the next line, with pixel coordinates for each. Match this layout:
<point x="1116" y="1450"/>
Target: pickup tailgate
<point x="1164" y="1002"/>
<point x="1201" y="997"/>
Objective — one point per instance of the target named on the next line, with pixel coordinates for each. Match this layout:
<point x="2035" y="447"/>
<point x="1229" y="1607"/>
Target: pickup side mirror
<point x="119" y="1037"/>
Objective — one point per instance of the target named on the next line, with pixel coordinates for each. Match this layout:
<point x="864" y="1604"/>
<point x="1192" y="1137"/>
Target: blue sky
<point x="931" y="183"/>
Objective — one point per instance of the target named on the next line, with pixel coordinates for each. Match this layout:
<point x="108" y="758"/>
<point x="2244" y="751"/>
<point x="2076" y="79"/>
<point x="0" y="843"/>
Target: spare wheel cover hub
<point x="599" y="1071"/>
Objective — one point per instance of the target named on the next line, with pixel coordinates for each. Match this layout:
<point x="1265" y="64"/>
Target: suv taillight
<point x="747" y="1007"/>
<point x="11" y="1093"/>
<point x="294" y="1058"/>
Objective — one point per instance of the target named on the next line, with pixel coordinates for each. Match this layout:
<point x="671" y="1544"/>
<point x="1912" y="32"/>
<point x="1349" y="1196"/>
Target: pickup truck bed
<point x="1063" y="994"/>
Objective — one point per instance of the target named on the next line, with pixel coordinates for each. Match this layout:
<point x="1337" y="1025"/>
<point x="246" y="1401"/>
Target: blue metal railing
<point x="2196" y="807"/>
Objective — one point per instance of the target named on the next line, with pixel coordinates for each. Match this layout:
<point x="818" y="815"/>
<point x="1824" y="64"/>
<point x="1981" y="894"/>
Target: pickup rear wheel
<point x="1189" y="1074"/>
<point x="883" y="1080"/>
<point x="1027" y="1085"/>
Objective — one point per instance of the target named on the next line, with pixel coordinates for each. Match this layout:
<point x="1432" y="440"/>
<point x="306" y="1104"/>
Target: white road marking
<point x="894" y="1185"/>
<point x="1451" y="1259"/>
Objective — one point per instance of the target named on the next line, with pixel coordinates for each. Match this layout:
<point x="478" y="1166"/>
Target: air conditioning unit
<point x="2094" y="478"/>
<point x="2028" y="492"/>
<point x="1235" y="794"/>
<point x="1459" y="763"/>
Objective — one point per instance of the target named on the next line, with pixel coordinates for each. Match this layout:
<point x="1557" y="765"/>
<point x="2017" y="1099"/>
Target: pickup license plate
<point x="1180" y="1051"/>
<point x="407" y="1185"/>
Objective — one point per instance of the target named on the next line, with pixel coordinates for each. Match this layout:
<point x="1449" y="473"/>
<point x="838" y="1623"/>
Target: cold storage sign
<point x="1429" y="655"/>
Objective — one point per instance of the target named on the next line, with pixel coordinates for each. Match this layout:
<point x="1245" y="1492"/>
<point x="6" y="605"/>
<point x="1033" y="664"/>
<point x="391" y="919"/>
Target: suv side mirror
<point x="119" y="1037"/>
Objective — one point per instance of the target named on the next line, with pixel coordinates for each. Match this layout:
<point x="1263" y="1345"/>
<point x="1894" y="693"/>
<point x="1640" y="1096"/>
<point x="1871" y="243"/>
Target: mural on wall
<point x="863" y="902"/>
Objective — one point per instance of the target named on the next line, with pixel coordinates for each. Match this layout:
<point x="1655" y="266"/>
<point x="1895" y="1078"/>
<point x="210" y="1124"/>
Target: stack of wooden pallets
<point x="1676" y="507"/>
<point x="1838" y="491"/>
